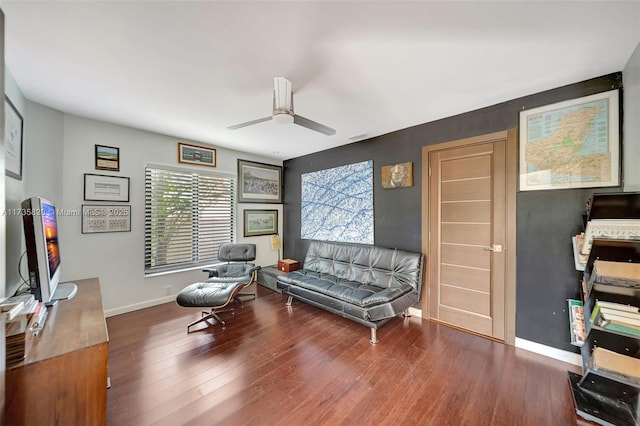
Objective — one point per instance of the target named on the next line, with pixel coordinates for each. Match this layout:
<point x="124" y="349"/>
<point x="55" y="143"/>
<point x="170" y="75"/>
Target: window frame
<point x="229" y="180"/>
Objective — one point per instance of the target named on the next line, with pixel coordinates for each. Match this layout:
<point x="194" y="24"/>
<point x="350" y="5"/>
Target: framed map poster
<point x="571" y="144"/>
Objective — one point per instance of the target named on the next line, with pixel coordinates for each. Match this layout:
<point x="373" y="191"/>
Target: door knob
<point x="496" y="247"/>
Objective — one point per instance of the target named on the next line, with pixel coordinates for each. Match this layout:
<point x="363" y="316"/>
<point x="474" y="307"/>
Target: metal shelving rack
<point x="601" y="396"/>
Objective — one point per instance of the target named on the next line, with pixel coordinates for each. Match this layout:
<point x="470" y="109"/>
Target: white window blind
<point x="187" y="217"/>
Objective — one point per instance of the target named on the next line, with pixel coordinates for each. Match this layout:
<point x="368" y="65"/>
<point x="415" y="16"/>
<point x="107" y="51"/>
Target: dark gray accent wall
<point x="546" y="220"/>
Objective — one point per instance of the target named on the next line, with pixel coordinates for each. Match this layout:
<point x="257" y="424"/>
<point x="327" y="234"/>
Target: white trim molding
<point x="130" y="308"/>
<point x="527" y="345"/>
<point x="559" y="354"/>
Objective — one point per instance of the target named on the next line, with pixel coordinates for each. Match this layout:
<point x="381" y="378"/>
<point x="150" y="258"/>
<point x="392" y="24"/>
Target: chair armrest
<point x="255" y="269"/>
<point x="213" y="272"/>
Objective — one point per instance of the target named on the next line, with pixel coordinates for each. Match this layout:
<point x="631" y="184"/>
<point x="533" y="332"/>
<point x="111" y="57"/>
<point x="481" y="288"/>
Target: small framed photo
<point x="260" y="222"/>
<point x="397" y="175"/>
<point x="106" y="188"/>
<point x="105" y="218"/>
<point x="259" y="183"/>
<point x="198" y="155"/>
<point x="107" y="158"/>
<point x="13" y="140"/>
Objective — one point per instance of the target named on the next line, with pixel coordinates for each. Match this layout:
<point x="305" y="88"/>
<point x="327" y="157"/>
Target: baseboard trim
<point x="415" y="312"/>
<point x="548" y="351"/>
<point x="136" y="306"/>
<point x="527" y="345"/>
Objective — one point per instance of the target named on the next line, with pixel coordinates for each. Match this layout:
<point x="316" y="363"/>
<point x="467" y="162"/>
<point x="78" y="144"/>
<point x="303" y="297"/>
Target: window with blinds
<point x="187" y="217"/>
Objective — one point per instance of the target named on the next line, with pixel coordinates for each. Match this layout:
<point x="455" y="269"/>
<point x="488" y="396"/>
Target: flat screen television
<point x="43" y="250"/>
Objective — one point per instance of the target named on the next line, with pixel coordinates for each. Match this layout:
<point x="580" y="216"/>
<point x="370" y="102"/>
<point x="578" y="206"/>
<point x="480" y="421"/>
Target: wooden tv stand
<point x="63" y="379"/>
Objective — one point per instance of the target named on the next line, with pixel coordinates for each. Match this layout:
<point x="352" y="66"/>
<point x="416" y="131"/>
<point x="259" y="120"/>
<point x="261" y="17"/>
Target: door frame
<point x="510" y="138"/>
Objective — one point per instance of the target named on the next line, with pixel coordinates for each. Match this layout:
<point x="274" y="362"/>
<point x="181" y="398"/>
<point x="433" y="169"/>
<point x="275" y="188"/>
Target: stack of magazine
<point x="607" y="273"/>
<point x="28" y="319"/>
<point x="616" y="317"/>
<point x="626" y="367"/>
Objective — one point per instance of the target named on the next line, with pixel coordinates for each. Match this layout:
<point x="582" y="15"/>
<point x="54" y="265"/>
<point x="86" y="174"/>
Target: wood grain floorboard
<point x="300" y="365"/>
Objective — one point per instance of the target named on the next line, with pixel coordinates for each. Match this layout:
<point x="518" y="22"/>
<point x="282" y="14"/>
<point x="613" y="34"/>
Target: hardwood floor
<point x="275" y="365"/>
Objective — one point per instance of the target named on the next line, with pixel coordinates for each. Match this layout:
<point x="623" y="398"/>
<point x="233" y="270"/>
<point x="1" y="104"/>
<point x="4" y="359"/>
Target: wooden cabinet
<point x="63" y="379"/>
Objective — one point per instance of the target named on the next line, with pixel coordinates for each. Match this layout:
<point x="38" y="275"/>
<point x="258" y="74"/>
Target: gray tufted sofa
<point x="367" y="284"/>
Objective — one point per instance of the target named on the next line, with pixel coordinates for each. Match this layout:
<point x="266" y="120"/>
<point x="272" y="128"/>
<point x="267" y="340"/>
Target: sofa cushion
<point x="207" y="294"/>
<point x="354" y="292"/>
<point x="377" y="266"/>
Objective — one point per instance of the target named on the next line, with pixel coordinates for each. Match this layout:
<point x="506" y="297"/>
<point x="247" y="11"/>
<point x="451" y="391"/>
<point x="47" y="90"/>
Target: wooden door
<point x="467" y="236"/>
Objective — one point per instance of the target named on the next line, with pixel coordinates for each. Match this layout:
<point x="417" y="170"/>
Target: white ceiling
<point x="190" y="69"/>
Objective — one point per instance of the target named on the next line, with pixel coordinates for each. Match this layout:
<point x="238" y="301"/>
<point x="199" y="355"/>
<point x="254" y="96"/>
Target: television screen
<point x="43" y="249"/>
<point x="51" y="234"/>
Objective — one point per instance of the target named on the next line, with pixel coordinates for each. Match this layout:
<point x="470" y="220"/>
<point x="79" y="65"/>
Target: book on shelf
<point x="622" y="329"/>
<point x="612" y="362"/>
<point x="617" y="306"/>
<point x="618" y="229"/>
<point x="633" y="317"/>
<point x="620" y="320"/>
<point x="616" y="273"/>
<point x="582" y="257"/>
<point x="576" y="322"/>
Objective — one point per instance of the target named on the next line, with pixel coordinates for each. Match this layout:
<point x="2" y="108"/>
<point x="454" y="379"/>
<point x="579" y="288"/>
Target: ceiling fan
<point x="283" y="110"/>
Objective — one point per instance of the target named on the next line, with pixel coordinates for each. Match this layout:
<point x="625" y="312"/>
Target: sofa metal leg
<point x="406" y="313"/>
<point x="289" y="301"/>
<point x="374" y="337"/>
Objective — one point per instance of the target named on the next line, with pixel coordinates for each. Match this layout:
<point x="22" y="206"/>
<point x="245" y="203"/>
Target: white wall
<point x="14" y="194"/>
<point x="43" y="152"/>
<point x="118" y="258"/>
<point x="631" y="129"/>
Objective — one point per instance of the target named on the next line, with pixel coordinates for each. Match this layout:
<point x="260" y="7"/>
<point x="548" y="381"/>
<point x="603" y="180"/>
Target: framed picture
<point x="199" y="155"/>
<point x="260" y="222"/>
<point x="397" y="175"/>
<point x="13" y="140"/>
<point x="105" y="218"/>
<point x="259" y="183"/>
<point x="571" y="144"/>
<point x="336" y="204"/>
<point x="107" y="158"/>
<point x="106" y="188"/>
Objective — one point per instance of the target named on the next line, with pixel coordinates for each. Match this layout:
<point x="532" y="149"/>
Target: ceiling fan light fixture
<point x="283" y="110"/>
<point x="283" y="117"/>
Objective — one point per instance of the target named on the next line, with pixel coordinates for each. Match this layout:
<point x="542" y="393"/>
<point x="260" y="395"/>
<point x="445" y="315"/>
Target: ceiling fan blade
<point x="313" y="125"/>
<point x="250" y="123"/>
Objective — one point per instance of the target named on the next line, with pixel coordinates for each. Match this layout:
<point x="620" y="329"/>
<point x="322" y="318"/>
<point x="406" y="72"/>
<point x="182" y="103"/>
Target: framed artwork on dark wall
<point x="13" y="140"/>
<point x="571" y="144"/>
<point x="397" y="175"/>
